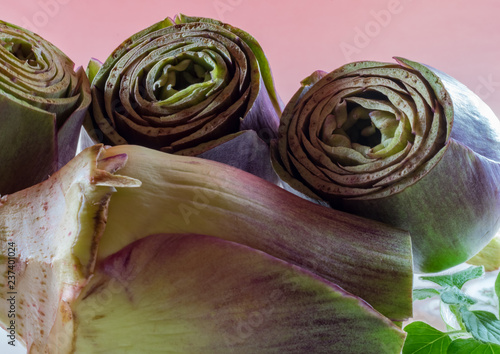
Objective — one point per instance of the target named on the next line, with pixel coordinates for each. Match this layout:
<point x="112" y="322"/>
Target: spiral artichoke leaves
<point x="400" y="143"/>
<point x="200" y="256"/>
<point x="42" y="107"/>
<point x="183" y="86"/>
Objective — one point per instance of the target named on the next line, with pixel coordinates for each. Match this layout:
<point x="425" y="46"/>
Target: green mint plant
<point x="477" y="332"/>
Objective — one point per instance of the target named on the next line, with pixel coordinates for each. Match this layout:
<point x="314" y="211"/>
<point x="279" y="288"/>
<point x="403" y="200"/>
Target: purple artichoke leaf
<point x="81" y="230"/>
<point x="467" y="210"/>
<point x="246" y="151"/>
<point x="70" y="129"/>
<point x="471" y="111"/>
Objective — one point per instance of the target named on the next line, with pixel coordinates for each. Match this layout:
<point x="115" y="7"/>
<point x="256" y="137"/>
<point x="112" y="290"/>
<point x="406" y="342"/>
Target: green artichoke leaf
<point x="30" y="154"/>
<point x="43" y="102"/>
<point x="264" y="66"/>
<point x="194" y="293"/>
<point x="93" y="68"/>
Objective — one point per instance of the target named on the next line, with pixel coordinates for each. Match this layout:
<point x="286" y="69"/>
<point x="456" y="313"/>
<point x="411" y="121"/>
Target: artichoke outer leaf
<point x="72" y="214"/>
<point x="194" y="293"/>
<point x="93" y="68"/>
<point x="279" y="144"/>
<point x="471" y="120"/>
<point x="69" y="132"/>
<point x="193" y="195"/>
<point x="245" y="151"/>
<point x="467" y="209"/>
<point x="28" y="142"/>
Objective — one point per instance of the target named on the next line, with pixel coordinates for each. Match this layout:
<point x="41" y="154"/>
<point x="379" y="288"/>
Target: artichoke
<point x="185" y="87"/>
<point x="128" y="249"/>
<point x="401" y="143"/>
<point x="42" y="107"/>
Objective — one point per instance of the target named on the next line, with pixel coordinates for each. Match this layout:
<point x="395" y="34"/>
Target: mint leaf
<point x="483" y="325"/>
<point x="455" y="296"/>
<point x="421" y="294"/>
<point x="451" y="317"/>
<point x="457" y="279"/>
<point x="425" y="339"/>
<point x="472" y="346"/>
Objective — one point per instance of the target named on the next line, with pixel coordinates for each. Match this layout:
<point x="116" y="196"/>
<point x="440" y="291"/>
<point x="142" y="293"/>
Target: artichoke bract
<point x="201" y="256"/>
<point x="209" y="295"/>
<point x="184" y="86"/>
<point x="401" y="143"/>
<point x="43" y="102"/>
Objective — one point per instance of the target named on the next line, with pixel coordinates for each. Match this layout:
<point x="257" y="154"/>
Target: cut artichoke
<point x="42" y="106"/>
<point x="400" y="143"/>
<point x="186" y="86"/>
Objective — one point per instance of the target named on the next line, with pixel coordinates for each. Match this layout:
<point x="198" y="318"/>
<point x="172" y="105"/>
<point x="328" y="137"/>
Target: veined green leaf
<point x="425" y="339"/>
<point x="457" y="279"/>
<point x="455" y="296"/>
<point x="421" y="294"/>
<point x="472" y="346"/>
<point x="483" y="325"/>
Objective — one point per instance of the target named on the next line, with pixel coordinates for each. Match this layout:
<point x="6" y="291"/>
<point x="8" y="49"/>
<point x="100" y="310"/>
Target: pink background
<point x="460" y="37"/>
